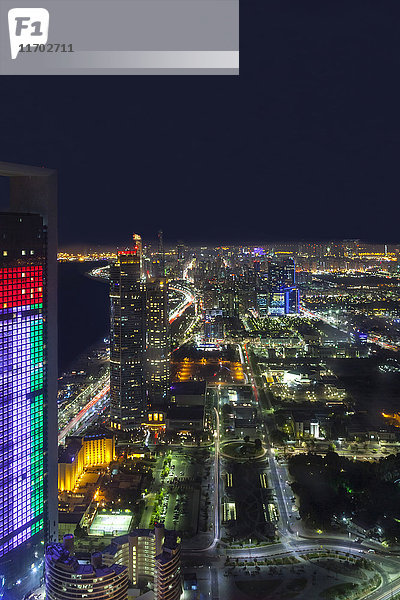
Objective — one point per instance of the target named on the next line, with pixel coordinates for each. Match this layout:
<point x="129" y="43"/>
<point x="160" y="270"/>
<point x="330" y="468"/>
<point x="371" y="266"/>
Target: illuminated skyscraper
<point x="137" y="247"/>
<point x="262" y="294"/>
<point x="140" y="342"/>
<point x="157" y="259"/>
<point x="284" y="296"/>
<point x="28" y="376"/>
<point x="127" y="343"/>
<point x="157" y="343"/>
<point x="161" y="253"/>
<point x="281" y="273"/>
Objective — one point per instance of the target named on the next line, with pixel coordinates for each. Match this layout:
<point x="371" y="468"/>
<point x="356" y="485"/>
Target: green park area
<point x="332" y="487"/>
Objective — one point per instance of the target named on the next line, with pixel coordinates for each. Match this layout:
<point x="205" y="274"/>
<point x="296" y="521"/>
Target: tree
<point x="80" y="532"/>
<point x="257" y="444"/>
<point x="278" y="437"/>
<point x="226" y="410"/>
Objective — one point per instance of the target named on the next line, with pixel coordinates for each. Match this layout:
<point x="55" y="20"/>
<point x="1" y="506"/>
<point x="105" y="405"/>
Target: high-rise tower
<point x="140" y="342"/>
<point x="28" y="376"/>
<point x="127" y="343"/>
<point x="283" y="294"/>
<point x="157" y="343"/>
<point x="161" y="253"/>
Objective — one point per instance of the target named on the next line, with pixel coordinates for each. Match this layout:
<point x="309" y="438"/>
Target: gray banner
<point x="119" y="37"/>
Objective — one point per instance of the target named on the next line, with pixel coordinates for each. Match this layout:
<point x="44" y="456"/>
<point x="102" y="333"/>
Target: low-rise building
<point x="96" y="448"/>
<point x="186" y="418"/>
<point x="188" y="393"/>
<point x="66" y="577"/>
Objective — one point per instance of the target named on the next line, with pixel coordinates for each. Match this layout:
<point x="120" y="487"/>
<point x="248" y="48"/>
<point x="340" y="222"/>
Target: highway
<point x="94" y="397"/>
<point x="89" y="403"/>
<point x="181" y="288"/>
<point x="188" y="299"/>
<point x="372" y="338"/>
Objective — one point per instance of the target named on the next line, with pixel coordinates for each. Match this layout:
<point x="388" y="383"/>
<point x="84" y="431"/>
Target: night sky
<point x="303" y="144"/>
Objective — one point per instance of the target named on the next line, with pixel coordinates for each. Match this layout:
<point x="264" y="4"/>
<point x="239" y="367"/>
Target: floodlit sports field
<point x="108" y="524"/>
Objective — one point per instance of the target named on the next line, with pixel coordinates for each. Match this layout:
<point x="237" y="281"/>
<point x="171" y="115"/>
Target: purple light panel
<point x="21" y="405"/>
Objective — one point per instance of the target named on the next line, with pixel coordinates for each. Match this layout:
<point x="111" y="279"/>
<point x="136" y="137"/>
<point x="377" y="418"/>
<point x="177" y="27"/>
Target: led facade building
<point x="28" y="377"/>
<point x="127" y="343"/>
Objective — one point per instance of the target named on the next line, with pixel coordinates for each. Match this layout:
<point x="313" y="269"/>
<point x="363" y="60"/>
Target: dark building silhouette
<point x="127" y="340"/>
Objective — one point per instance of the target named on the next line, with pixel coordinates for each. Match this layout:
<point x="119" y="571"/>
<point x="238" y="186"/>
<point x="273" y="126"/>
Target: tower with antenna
<point x="161" y="252"/>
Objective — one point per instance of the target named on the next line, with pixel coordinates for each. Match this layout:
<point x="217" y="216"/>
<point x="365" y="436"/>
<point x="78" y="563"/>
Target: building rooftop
<point x="188" y="388"/>
<point x="171" y="539"/>
<point x="15" y="170"/>
<point x="183" y="413"/>
<point x="58" y="554"/>
<point x="98" y="433"/>
<point x="70" y="451"/>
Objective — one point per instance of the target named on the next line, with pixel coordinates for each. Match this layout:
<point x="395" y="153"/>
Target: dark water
<point x="83" y="311"/>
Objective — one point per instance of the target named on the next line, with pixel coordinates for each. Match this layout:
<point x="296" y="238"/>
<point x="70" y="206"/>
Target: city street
<point x="295" y="539"/>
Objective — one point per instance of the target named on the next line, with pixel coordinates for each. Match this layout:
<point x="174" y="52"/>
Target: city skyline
<point x="191" y="421"/>
<point x="200" y="311"/>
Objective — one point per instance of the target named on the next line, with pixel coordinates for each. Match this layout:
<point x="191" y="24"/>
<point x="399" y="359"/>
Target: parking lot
<point x="185" y="479"/>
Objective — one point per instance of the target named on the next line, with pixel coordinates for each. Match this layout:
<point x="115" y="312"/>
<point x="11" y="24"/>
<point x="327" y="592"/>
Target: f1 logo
<point x="27" y="25"/>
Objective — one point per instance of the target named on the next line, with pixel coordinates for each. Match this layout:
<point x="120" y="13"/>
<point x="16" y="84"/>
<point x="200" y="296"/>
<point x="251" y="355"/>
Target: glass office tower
<point x="127" y="340"/>
<point x="284" y="297"/>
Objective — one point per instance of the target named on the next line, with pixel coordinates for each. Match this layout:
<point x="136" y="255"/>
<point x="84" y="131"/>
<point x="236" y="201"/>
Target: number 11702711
<point x="46" y="48"/>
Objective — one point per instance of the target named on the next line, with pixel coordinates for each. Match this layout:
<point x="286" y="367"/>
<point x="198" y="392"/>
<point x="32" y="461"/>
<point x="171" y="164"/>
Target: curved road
<point x="291" y="541"/>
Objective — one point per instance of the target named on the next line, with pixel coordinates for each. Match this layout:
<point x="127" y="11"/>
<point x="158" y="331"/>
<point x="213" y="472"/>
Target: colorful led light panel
<point x="22" y="380"/>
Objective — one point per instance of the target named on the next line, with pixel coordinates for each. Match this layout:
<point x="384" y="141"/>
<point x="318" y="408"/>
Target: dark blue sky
<point x="303" y="144"/>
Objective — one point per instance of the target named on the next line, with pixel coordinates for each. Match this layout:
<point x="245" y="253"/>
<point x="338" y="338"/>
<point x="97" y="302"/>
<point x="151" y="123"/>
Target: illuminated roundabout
<point x="241" y="451"/>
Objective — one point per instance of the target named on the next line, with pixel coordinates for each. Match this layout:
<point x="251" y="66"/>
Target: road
<point x="89" y="403"/>
<point x="217" y="483"/>
<point x="92" y="401"/>
<point x="372" y="338"/>
<point x="211" y="547"/>
<point x="293" y="537"/>
<point x="188" y="299"/>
